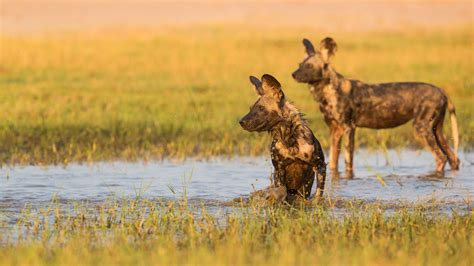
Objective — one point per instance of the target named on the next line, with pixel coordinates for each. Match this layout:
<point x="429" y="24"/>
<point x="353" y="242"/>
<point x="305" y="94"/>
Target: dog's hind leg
<point x="452" y="157"/>
<point x="425" y="130"/>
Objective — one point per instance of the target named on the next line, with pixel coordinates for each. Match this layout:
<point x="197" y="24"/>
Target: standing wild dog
<point x="347" y="104"/>
<point x="296" y="153"/>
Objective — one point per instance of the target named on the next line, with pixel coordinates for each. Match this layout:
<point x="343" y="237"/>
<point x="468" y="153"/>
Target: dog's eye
<point x="261" y="108"/>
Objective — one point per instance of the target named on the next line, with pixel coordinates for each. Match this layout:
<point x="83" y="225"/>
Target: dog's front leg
<point x="349" y="133"/>
<point x="287" y="152"/>
<point x="336" y="136"/>
<point x="321" y="179"/>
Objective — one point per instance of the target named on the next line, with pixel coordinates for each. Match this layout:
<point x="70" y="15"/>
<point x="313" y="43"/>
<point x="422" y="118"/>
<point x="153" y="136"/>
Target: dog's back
<point x="388" y="105"/>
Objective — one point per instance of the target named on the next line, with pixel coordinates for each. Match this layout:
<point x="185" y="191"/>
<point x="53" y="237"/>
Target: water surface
<point x="397" y="175"/>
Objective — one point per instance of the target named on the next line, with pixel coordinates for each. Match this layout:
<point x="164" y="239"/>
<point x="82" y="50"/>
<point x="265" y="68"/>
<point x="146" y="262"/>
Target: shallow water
<point x="393" y="176"/>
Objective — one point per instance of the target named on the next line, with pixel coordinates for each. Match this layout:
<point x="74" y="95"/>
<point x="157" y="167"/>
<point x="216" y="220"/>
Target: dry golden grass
<point x="180" y="92"/>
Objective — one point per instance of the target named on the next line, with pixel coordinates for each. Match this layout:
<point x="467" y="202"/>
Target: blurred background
<point x="98" y="80"/>
<point x="40" y="16"/>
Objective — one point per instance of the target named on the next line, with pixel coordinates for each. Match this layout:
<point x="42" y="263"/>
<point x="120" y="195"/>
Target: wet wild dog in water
<point x="347" y="104"/>
<point x="296" y="153"/>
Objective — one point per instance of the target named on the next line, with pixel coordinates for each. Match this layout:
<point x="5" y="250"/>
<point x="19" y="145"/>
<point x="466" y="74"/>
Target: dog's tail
<point x="454" y="125"/>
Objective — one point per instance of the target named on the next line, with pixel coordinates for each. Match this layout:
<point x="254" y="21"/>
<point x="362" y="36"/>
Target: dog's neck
<point x="331" y="77"/>
<point x="290" y="119"/>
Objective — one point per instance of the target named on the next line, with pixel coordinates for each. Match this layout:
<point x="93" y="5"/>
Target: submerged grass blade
<point x="380" y="179"/>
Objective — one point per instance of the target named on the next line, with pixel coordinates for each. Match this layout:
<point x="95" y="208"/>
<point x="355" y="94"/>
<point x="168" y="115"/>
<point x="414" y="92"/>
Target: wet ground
<point x="388" y="177"/>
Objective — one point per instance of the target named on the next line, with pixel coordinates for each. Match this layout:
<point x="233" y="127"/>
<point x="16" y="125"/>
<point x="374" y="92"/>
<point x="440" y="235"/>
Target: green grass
<point x="142" y="232"/>
<point x="180" y="92"/>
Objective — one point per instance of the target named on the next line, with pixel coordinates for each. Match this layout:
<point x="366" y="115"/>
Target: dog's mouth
<point x="261" y="127"/>
<point x="256" y="128"/>
<point x="296" y="76"/>
<point x="306" y="78"/>
<point x="309" y="80"/>
<point x="302" y="78"/>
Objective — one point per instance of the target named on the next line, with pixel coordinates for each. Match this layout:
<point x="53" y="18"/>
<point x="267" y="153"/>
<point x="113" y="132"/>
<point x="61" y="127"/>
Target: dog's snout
<point x="293" y="75"/>
<point x="242" y="122"/>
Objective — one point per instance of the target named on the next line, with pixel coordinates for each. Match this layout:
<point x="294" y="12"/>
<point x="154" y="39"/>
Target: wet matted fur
<point x="296" y="153"/>
<point x="347" y="104"/>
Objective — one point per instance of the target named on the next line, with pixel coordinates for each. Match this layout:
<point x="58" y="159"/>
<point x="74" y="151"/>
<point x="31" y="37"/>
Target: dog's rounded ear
<point x="257" y="85"/>
<point x="272" y="87"/>
<point x="328" y="48"/>
<point x="309" y="47"/>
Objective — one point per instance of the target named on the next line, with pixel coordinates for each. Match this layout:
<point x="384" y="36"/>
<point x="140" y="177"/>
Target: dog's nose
<point x="293" y="75"/>
<point x="241" y="122"/>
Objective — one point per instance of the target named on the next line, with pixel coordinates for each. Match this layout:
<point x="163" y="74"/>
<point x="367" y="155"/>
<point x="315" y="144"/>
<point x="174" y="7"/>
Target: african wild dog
<point x="347" y="104"/>
<point x="296" y="153"/>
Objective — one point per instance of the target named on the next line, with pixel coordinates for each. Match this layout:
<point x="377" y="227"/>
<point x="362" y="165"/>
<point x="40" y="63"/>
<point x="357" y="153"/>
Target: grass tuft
<point x="164" y="232"/>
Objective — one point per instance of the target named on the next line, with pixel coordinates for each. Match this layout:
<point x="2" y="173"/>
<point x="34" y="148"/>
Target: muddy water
<point x="393" y="176"/>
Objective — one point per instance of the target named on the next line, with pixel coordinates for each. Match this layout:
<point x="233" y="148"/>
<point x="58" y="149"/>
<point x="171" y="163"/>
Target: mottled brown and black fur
<point x="347" y="104"/>
<point x="296" y="153"/>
